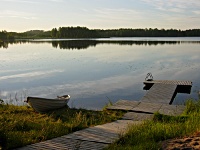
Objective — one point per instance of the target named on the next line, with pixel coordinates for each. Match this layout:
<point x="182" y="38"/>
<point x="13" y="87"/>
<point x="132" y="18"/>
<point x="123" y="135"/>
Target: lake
<point x="95" y="71"/>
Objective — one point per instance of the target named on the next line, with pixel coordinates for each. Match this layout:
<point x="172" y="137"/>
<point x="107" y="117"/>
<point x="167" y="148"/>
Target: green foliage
<point x="32" y="127"/>
<point x="54" y="32"/>
<point x="192" y="106"/>
<point x="150" y="134"/>
<point x="165" y="118"/>
<point x="84" y="32"/>
<point x="5" y="36"/>
<point x="33" y="34"/>
<point x="108" y="104"/>
<point x="73" y="32"/>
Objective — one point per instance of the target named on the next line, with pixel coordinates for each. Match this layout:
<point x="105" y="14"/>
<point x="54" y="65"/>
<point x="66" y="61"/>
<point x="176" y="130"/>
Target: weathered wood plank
<point x="172" y="110"/>
<point x="137" y="116"/>
<point x="123" y="105"/>
<point x="85" y="145"/>
<point x="140" y="110"/>
<point x="118" y="126"/>
<point x="92" y="137"/>
<point x="65" y="144"/>
<point x="160" y="93"/>
<point x="106" y="133"/>
<point x="175" y="82"/>
<point x="147" y="107"/>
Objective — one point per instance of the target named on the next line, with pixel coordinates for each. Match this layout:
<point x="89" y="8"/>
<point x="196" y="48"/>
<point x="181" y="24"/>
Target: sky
<point x="24" y="15"/>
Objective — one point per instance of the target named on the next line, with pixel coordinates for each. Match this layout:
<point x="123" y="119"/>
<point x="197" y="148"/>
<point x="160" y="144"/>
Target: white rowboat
<point x="44" y="104"/>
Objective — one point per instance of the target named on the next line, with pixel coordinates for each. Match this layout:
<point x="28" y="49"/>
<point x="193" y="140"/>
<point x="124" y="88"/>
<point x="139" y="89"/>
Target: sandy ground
<point x="186" y="143"/>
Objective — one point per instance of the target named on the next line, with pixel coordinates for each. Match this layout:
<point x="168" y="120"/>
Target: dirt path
<point x="186" y="143"/>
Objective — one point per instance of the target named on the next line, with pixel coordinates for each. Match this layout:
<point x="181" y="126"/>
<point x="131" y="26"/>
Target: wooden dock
<point x="175" y="82"/>
<point x="182" y="86"/>
<point x="164" y="91"/>
<point x="137" y="108"/>
<point x="161" y="93"/>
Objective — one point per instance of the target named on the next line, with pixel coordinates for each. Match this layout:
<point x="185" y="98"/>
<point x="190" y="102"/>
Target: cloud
<point x="30" y="74"/>
<point x="197" y="12"/>
<point x="116" y="18"/>
<point x="120" y="14"/>
<point x="176" y="6"/>
<point x="56" y="0"/>
<point x="22" y="1"/>
<point x="86" y="89"/>
<point x="17" y="14"/>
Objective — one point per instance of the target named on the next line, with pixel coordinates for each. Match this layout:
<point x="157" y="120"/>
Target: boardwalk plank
<point x="137" y="116"/>
<point x="106" y="133"/>
<point x="172" y="110"/>
<point x="65" y="144"/>
<point x="142" y="108"/>
<point x="124" y="105"/>
<point x="160" y="93"/>
<point x="118" y="126"/>
<point x="85" y="145"/>
<point x="175" y="82"/>
<point x="147" y="107"/>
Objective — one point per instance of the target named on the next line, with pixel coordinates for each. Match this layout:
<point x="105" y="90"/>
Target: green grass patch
<point x="21" y="125"/>
<point x="150" y="134"/>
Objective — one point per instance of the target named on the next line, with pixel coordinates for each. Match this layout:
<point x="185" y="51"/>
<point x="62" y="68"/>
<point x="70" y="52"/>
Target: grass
<point x="150" y="134"/>
<point x="21" y="125"/>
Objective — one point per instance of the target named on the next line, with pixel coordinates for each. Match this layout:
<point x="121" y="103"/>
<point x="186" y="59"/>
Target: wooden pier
<point x="158" y="99"/>
<point x="164" y="91"/>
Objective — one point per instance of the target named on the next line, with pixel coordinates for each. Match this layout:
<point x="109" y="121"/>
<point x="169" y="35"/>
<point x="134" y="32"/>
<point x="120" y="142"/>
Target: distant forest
<point x="83" y="32"/>
<point x="5" y="36"/>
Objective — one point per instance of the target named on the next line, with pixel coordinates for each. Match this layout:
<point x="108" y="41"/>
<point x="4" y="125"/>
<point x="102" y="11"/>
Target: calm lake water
<point x="96" y="71"/>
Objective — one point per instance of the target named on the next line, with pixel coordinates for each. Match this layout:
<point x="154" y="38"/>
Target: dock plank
<point x="175" y="82"/>
<point x="145" y="107"/>
<point x="160" y="93"/>
<point x="137" y="116"/>
<point x="172" y="110"/>
<point x="65" y="144"/>
<point x="106" y="133"/>
<point x="124" y="105"/>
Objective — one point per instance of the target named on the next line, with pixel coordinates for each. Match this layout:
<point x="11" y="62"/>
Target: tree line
<point x="5" y="36"/>
<point x="84" y="32"/>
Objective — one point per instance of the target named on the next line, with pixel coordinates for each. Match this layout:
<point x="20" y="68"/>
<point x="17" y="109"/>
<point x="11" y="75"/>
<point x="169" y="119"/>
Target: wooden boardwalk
<point x="93" y="138"/>
<point x="157" y="99"/>
<point x="148" y="108"/>
<point x="160" y="93"/>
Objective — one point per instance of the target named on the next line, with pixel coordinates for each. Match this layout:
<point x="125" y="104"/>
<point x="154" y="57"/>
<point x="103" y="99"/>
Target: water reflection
<point x="84" y="44"/>
<point x="107" y="70"/>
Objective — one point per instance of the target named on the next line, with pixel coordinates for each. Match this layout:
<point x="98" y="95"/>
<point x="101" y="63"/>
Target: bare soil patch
<point x="186" y="143"/>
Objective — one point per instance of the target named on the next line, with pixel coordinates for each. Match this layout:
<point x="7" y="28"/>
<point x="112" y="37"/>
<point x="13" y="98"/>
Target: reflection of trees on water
<point x="3" y="45"/>
<point x="74" y="44"/>
<point x="84" y="44"/>
<point x="6" y="44"/>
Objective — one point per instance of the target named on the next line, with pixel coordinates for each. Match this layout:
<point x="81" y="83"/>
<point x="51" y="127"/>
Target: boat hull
<point x="43" y="105"/>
